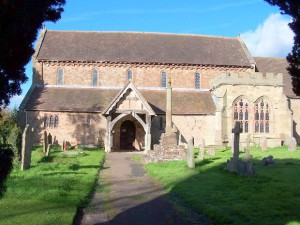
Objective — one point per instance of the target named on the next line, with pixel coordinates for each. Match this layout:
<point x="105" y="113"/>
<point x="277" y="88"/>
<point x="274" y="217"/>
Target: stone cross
<point x="191" y="153"/>
<point x="169" y="107"/>
<point x="236" y="140"/>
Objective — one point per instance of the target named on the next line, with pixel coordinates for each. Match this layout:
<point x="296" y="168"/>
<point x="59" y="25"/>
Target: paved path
<point x="133" y="199"/>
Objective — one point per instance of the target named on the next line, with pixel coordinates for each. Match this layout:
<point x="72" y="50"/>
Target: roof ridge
<point x="144" y="32"/>
<point x="267" y="57"/>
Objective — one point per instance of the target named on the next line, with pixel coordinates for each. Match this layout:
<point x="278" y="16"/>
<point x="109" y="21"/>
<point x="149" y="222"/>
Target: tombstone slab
<point x="191" y="154"/>
<point x="263" y="144"/>
<point x="293" y="144"/>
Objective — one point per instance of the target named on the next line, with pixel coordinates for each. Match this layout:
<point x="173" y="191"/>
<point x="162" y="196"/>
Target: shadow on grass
<point x="271" y="197"/>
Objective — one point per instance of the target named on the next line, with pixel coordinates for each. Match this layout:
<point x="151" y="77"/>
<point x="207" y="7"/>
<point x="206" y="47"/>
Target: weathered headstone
<point x="293" y="144"/>
<point x="26" y="148"/>
<point x="49" y="139"/>
<point x="263" y="144"/>
<point x="54" y="141"/>
<point x="191" y="153"/>
<point x="63" y="145"/>
<point x="202" y="150"/>
<point x="45" y="142"/>
<point x="48" y="150"/>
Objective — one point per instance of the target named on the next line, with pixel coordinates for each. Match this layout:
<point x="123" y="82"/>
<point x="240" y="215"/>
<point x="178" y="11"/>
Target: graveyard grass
<point x="271" y="197"/>
<point x="52" y="189"/>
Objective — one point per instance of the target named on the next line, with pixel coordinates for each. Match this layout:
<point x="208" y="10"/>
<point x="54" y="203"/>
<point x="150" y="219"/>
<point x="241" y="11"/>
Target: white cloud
<point x="272" y="39"/>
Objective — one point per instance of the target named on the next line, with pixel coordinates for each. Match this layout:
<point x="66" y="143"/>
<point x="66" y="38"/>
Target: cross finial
<point x="237" y="128"/>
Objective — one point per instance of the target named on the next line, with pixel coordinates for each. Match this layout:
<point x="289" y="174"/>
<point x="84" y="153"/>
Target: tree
<point x="20" y="21"/>
<point x="6" y="165"/>
<point x="292" y="8"/>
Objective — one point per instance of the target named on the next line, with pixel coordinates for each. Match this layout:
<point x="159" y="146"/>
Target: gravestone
<point x="236" y="144"/>
<point x="26" y="147"/>
<point x="48" y="150"/>
<point x="293" y="144"/>
<point x="235" y="164"/>
<point x="49" y="139"/>
<point x="263" y="144"/>
<point x="191" y="153"/>
<point x="45" y="142"/>
<point x="63" y="145"/>
<point x="202" y="150"/>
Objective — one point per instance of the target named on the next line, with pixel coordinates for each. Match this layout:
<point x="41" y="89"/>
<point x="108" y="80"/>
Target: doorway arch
<point x="127" y="135"/>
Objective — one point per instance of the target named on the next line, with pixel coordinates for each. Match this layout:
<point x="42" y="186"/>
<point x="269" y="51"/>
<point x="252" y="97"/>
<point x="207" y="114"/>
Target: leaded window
<point x="129" y="75"/>
<point x="95" y="77"/>
<point x="51" y="121"/>
<point x="56" y="120"/>
<point x="163" y="79"/>
<point x="60" y="76"/>
<point x="262" y="117"/>
<point x="241" y="114"/>
<point x="197" y="80"/>
<point x="46" y="121"/>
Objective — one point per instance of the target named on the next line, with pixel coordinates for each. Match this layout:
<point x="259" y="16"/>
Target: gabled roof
<point x="134" y="47"/>
<point x="94" y="100"/>
<point x="129" y="87"/>
<point x="276" y="65"/>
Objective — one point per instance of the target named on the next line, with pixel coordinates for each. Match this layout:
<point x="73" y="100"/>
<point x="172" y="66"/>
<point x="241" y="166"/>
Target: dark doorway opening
<point x="127" y="135"/>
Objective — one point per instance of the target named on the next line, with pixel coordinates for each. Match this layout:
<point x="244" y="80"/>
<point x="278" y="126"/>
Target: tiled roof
<point x="96" y="100"/>
<point x="276" y="65"/>
<point x="134" y="47"/>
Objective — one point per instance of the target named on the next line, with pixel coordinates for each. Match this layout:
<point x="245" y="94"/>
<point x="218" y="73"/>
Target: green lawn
<point x="271" y="197"/>
<point x="52" y="189"/>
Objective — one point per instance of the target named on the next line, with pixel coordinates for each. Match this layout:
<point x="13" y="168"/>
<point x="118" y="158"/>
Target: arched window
<point x="163" y="79"/>
<point x="56" y="121"/>
<point x="60" y="76"/>
<point x="129" y="75"/>
<point x="46" y="121"/>
<point x="51" y="121"/>
<point x="262" y="116"/>
<point x="197" y="81"/>
<point x="95" y="77"/>
<point x="241" y="114"/>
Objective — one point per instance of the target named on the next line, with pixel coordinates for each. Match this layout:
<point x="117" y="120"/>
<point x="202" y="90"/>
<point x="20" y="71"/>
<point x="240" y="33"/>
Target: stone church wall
<point x="280" y="114"/>
<point x="115" y="75"/>
<point x="200" y="127"/>
<point x="76" y="128"/>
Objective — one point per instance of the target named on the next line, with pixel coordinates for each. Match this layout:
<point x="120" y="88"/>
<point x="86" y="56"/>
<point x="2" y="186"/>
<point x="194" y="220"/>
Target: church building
<point x="109" y="88"/>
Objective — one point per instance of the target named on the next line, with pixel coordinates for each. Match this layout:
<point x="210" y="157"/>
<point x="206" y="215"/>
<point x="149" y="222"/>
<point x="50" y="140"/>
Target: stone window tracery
<point x="163" y="79"/>
<point x="60" y="76"/>
<point x="262" y="116"/>
<point x="241" y="114"/>
<point x="95" y="77"/>
<point x="197" y="80"/>
<point x="51" y="121"/>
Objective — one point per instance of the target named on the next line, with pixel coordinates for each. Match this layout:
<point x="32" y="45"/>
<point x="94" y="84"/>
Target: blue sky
<point x="261" y="26"/>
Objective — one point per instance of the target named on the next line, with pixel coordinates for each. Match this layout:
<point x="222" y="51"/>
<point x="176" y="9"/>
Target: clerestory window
<point x="60" y="76"/>
<point x="163" y="79"/>
<point x="197" y="81"/>
<point x="95" y="77"/>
